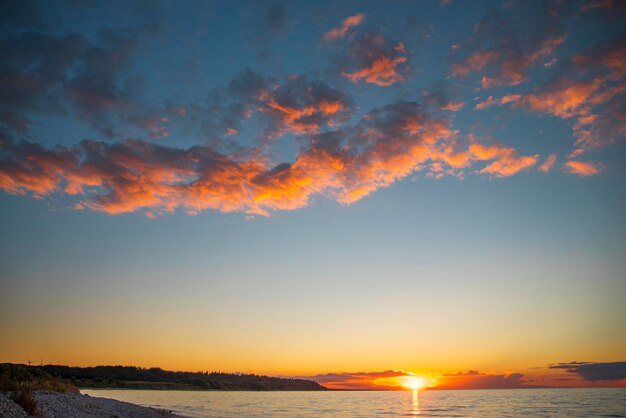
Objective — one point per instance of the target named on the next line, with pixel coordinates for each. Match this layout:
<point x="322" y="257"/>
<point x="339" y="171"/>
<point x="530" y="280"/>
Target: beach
<point x="73" y="405"/>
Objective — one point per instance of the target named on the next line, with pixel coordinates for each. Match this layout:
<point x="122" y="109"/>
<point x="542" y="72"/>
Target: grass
<point x="20" y="382"/>
<point x="24" y="398"/>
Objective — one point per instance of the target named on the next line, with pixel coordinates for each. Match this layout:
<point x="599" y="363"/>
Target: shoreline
<point x="78" y="405"/>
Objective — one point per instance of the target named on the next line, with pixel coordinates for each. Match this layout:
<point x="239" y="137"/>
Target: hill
<point x="157" y="378"/>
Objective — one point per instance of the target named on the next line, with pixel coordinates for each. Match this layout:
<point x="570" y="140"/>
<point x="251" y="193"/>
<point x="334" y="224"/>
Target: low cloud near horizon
<point x="589" y="374"/>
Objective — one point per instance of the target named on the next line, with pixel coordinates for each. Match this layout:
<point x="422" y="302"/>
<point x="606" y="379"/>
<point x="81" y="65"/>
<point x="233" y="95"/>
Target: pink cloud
<point x="381" y="71"/>
<point x="548" y="163"/>
<point x="475" y="62"/>
<point x="342" y="30"/>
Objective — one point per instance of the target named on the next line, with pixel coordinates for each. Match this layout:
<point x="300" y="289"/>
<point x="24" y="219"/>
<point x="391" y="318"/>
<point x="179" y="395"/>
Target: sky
<point x="354" y="192"/>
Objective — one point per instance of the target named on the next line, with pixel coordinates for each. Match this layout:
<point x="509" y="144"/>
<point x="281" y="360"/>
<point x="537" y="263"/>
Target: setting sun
<point x="414" y="383"/>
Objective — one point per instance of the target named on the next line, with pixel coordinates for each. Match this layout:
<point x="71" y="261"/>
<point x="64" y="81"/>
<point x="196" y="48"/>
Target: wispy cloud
<point x="342" y="30"/>
<point x="590" y="91"/>
<point x="548" y="163"/>
<point x="501" y="53"/>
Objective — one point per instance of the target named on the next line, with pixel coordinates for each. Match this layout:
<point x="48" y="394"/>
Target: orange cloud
<point x="507" y="162"/>
<point x="548" y="163"/>
<point x="342" y="30"/>
<point x="388" y="144"/>
<point x="37" y="170"/>
<point x="382" y="71"/>
<point x="304" y="107"/>
<point x="385" y="380"/>
<point x="475" y="62"/>
<point x="378" y="60"/>
<point x="503" y="54"/>
<point x="488" y="102"/>
<point x="512" y="69"/>
<point x="582" y="168"/>
<point x="474" y="380"/>
<point x="591" y="93"/>
<point x="563" y="99"/>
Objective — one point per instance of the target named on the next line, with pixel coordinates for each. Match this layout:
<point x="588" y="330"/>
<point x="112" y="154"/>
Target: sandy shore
<point x="71" y="405"/>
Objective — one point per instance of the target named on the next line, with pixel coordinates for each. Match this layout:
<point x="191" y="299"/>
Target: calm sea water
<point x="466" y="403"/>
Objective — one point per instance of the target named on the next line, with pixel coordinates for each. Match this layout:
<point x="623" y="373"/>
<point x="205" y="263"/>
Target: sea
<point x="579" y="402"/>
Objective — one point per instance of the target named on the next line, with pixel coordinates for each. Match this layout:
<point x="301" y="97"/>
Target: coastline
<point x="77" y="405"/>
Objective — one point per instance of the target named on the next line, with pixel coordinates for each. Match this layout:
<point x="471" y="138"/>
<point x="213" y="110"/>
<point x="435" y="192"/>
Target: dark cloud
<point x="346" y="377"/>
<point x="42" y="73"/>
<point x="498" y="50"/>
<point x="295" y="105"/>
<point x="22" y="14"/>
<point x="276" y="18"/>
<point x="265" y="22"/>
<point x="443" y="96"/>
<point x="594" y="371"/>
<point x="384" y="380"/>
<point x="303" y="106"/>
<point x="373" y="58"/>
<point x="605" y="9"/>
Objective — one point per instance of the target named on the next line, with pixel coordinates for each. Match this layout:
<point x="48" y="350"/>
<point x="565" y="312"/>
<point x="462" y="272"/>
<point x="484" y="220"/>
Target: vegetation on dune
<point x="19" y="382"/>
<point x="156" y="378"/>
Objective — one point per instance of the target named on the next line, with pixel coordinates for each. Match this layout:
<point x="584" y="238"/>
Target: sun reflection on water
<point x="416" y="403"/>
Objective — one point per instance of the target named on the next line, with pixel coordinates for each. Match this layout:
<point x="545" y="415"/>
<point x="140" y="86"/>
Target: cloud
<point x="592" y="371"/>
<point x="385" y="380"/>
<point x="377" y="60"/>
<point x="295" y="105"/>
<point x="488" y="102"/>
<point x="342" y="30"/>
<point x="155" y="125"/>
<point x="302" y="106"/>
<point x="264" y="22"/>
<point x="502" y="53"/>
<point x="276" y="18"/>
<point x="42" y="73"/>
<point x="475" y="380"/>
<point x="506" y="162"/>
<point x="443" y="96"/>
<point x="606" y="8"/>
<point x="582" y="168"/>
<point x="22" y="14"/>
<point x="590" y="91"/>
<point x="548" y="163"/>
<point x="345" y="164"/>
<point x="474" y="62"/>
<point x="28" y="167"/>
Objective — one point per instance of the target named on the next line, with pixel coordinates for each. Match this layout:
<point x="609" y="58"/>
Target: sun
<point x="414" y="383"/>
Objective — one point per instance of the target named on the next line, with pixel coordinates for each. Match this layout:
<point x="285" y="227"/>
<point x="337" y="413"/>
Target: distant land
<point x="129" y="377"/>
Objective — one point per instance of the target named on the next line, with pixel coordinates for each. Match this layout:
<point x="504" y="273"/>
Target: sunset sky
<point x="355" y="192"/>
